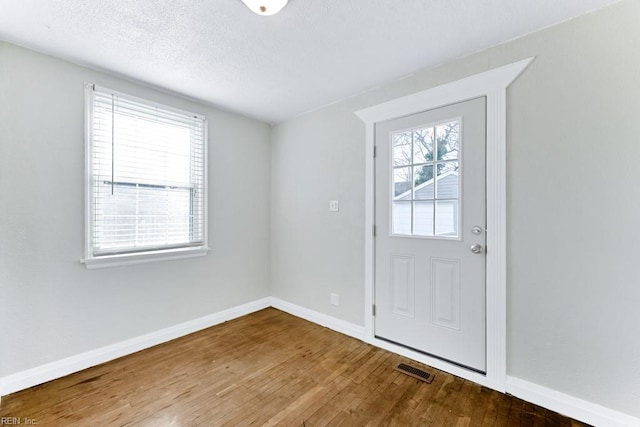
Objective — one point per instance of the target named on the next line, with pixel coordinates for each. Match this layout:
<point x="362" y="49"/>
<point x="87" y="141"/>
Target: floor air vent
<point x="415" y="373"/>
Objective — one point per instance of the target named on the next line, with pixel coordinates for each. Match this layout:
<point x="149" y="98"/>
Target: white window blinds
<point x="146" y="176"/>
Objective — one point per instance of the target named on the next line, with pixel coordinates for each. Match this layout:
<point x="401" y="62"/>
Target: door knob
<point x="476" y="249"/>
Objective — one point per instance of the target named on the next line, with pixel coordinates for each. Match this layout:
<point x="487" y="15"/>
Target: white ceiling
<point x="273" y="68"/>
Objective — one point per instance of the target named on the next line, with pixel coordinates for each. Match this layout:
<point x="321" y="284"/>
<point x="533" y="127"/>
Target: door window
<point x="426" y="181"/>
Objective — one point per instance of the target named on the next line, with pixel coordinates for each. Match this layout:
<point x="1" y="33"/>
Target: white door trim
<point x="492" y="84"/>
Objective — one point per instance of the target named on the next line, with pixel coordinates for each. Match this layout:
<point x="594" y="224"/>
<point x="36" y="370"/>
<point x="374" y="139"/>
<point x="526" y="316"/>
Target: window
<point x="146" y="180"/>
<point x="426" y="186"/>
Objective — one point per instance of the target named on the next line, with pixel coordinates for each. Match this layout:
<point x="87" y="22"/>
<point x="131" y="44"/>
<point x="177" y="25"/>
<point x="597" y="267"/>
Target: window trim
<point x="164" y="254"/>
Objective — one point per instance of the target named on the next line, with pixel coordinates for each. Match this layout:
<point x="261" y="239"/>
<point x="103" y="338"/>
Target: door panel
<point x="430" y="194"/>
<point x="403" y="285"/>
<point x="445" y="293"/>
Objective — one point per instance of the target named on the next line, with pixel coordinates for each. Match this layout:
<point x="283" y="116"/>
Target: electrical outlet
<point x="334" y="206"/>
<point x="335" y="299"/>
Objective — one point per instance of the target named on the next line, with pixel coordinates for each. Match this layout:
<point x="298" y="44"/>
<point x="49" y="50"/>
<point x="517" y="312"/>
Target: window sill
<point x="144" y="257"/>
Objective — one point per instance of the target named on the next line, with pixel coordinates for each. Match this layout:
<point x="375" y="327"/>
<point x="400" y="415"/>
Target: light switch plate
<point x="334" y="206"/>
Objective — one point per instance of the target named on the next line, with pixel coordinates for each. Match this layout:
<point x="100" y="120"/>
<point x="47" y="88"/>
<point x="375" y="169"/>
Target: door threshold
<point x="483" y="379"/>
<point x="469" y="368"/>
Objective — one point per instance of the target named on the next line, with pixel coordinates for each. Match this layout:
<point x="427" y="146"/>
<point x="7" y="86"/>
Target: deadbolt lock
<point x="477" y="230"/>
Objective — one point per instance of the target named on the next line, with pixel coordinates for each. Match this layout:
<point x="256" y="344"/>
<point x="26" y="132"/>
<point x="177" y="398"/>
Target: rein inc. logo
<point x="16" y="421"/>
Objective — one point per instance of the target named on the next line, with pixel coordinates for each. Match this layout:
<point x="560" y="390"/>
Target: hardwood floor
<point x="268" y="368"/>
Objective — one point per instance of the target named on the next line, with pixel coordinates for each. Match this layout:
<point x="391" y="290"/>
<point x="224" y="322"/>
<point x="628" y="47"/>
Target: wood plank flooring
<point x="268" y="368"/>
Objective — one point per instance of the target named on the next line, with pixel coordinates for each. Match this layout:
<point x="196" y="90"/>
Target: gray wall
<point x="573" y="204"/>
<point x="52" y="306"/>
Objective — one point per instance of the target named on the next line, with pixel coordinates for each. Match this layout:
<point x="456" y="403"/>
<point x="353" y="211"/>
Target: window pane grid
<point x="425" y="169"/>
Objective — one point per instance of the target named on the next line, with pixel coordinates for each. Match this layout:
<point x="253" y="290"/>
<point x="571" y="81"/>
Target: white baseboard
<point x="325" y="320"/>
<point x="60" y="368"/>
<point x="548" y="398"/>
<point x="570" y="406"/>
<point x="551" y="399"/>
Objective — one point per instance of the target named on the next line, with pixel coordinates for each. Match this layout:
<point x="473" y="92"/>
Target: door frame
<point x="493" y="85"/>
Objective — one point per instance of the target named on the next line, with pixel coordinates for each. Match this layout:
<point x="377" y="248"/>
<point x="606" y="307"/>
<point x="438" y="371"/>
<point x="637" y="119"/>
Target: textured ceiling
<point x="273" y="68"/>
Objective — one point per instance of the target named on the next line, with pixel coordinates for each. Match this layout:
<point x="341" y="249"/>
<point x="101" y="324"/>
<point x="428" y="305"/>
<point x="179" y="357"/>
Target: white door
<point x="430" y="216"/>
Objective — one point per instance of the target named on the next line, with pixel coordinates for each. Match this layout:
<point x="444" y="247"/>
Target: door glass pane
<point x="401" y="148"/>
<point x="402" y="184"/>
<point x="423" y="181"/>
<point x="447" y="218"/>
<point x="423" y="145"/>
<point x="401" y="218"/>
<point x="448" y="139"/>
<point x="423" y="218"/>
<point x="447" y="182"/>
<point x="426" y="180"/>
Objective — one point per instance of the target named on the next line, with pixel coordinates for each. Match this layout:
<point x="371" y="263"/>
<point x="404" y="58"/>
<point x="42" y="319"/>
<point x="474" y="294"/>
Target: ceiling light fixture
<point x="265" y="7"/>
